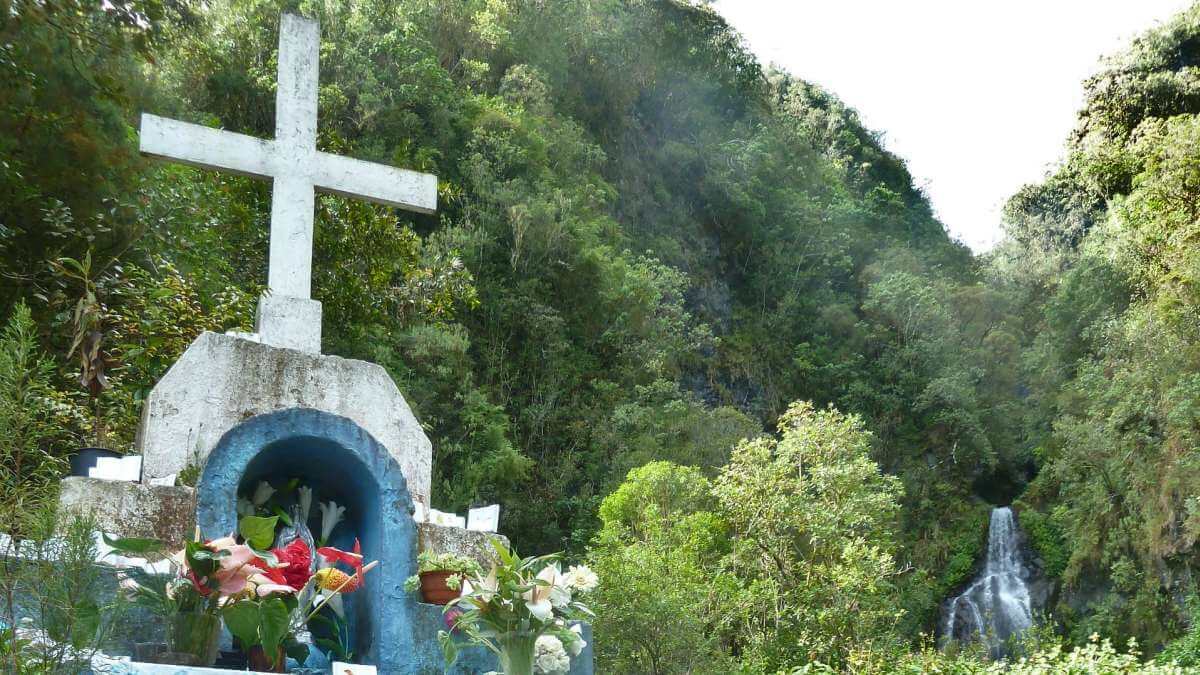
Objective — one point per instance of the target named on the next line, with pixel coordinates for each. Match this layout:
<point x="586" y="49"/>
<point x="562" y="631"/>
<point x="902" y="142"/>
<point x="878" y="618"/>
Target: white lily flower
<point x="331" y="515"/>
<point x="262" y="493"/>
<point x="560" y="593"/>
<point x="306" y="495"/>
<point x="541" y="608"/>
<point x="537" y="599"/>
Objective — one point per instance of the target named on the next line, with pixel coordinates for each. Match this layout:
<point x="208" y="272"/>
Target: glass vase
<point x="194" y="637"/>
<point x="516" y="653"/>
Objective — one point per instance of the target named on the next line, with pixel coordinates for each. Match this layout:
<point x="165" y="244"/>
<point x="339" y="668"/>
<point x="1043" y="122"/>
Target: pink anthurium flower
<point x="264" y="590"/>
<point x="235" y="568"/>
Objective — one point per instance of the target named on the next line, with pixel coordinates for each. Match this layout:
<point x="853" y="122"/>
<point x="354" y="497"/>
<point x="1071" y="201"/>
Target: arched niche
<point x="334" y="453"/>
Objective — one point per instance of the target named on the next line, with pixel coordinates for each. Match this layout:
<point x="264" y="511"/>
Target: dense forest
<point x="681" y="315"/>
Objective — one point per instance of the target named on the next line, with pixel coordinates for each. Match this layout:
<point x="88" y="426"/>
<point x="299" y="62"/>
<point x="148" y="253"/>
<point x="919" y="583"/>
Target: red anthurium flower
<point x="353" y="559"/>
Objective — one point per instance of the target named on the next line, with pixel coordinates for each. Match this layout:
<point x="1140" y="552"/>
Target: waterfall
<point x="996" y="605"/>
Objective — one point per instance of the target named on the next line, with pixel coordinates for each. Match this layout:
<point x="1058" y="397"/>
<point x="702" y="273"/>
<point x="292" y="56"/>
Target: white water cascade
<point x="996" y="605"/>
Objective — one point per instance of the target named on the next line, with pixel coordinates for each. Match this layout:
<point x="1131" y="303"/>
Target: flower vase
<point x="257" y="659"/>
<point x="194" y="637"/>
<point x="516" y="653"/>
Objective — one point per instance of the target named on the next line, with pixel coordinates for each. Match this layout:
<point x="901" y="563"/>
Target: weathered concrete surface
<point x="456" y="540"/>
<point x="132" y="509"/>
<point x="291" y="323"/>
<point x="222" y="380"/>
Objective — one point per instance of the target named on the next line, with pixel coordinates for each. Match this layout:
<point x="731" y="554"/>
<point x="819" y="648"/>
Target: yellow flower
<point x="333" y="579"/>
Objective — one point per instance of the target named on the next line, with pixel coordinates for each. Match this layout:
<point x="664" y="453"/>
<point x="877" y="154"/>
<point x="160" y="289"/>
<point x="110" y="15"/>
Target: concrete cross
<point x="287" y="316"/>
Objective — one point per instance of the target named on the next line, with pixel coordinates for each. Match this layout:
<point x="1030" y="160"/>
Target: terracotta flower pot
<point x="257" y="659"/>
<point x="434" y="589"/>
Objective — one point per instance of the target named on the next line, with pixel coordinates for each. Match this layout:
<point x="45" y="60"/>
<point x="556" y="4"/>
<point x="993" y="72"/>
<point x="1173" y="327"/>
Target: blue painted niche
<point x="339" y="457"/>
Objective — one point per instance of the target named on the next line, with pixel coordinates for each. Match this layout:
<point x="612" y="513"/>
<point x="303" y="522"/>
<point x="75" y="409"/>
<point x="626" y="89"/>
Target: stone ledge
<point x="442" y="539"/>
<point x="127" y="509"/>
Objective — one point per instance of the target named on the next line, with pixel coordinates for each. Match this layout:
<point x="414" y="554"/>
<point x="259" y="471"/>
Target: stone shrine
<point x="238" y="409"/>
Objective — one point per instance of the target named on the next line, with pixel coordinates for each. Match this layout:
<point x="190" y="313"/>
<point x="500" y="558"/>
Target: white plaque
<point x="484" y="519"/>
<point x="117" y="468"/>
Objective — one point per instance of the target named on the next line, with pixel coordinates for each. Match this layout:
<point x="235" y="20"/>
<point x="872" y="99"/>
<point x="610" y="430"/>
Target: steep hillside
<point x="1102" y="261"/>
<point x="647" y="247"/>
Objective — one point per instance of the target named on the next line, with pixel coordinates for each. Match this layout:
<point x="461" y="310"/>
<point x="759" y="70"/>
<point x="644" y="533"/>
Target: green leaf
<point x="241" y="618"/>
<point x="87" y="624"/>
<point x="449" y="648"/>
<point x="134" y="545"/>
<point x="258" y="531"/>
<point x="200" y="560"/>
<point x="273" y="625"/>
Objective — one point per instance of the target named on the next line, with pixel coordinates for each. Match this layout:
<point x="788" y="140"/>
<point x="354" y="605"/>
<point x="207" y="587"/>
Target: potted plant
<point x="188" y="599"/>
<point x="439" y="576"/>
<point x="522" y="612"/>
<point x="87" y="341"/>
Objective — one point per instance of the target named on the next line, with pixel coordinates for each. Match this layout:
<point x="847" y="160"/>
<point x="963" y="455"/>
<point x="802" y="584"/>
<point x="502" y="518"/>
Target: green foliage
<point x="1107" y="290"/>
<point x="1094" y="656"/>
<point x="259" y="623"/>
<point x="258" y="531"/>
<point x="786" y="558"/>
<point x="427" y="561"/>
<point x="50" y="579"/>
<point x="1047" y="541"/>
<point x="814" y="524"/>
<point x="30" y="455"/>
<point x="663" y="591"/>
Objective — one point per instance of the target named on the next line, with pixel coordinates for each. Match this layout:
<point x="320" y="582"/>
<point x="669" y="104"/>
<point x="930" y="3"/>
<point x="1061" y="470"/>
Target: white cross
<point x="297" y="168"/>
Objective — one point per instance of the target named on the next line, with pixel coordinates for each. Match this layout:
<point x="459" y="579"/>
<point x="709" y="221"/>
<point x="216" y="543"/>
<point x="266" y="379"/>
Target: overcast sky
<point x="977" y="96"/>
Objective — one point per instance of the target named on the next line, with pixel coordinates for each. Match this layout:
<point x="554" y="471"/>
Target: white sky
<point x="978" y="96"/>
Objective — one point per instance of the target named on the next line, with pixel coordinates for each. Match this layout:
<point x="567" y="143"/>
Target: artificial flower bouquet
<point x="522" y="611"/>
<point x="264" y="596"/>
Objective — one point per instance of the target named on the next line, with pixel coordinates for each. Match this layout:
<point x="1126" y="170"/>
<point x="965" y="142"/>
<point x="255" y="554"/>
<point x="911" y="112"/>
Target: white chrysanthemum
<point x="581" y="578"/>
<point x="549" y="656"/>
